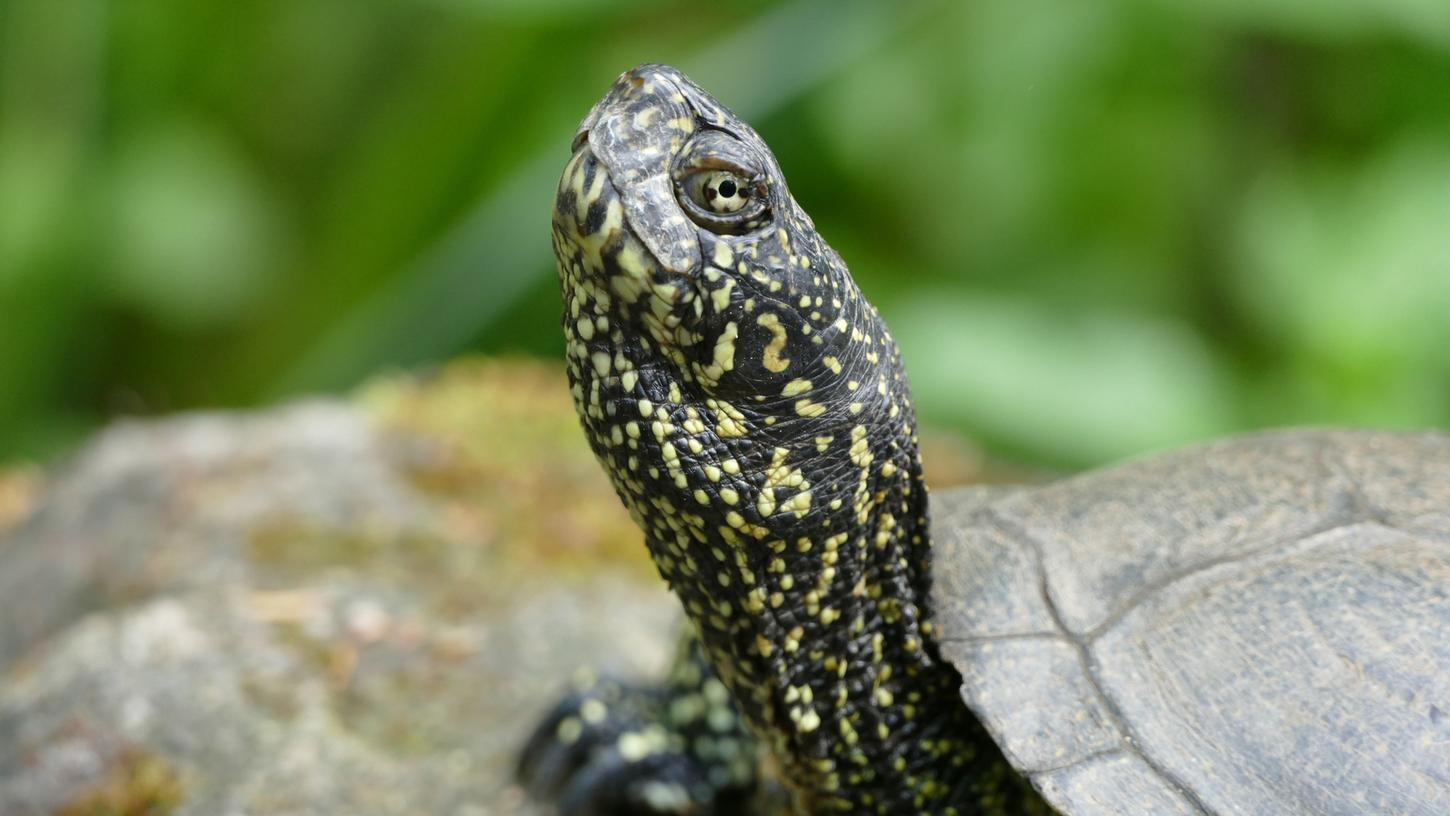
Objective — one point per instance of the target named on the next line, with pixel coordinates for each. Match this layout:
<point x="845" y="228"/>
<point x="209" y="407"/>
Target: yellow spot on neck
<point x="601" y="362"/>
<point x="795" y="387"/>
<point x="765" y="502"/>
<point x="770" y="358"/>
<point x="806" y="408"/>
<point x="724" y="258"/>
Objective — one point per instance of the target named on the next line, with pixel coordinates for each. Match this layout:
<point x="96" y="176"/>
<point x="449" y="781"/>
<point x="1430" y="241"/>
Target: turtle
<point x="1253" y="625"/>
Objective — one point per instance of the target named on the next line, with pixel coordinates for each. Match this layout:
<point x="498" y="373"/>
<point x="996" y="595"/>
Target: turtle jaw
<point x="613" y="285"/>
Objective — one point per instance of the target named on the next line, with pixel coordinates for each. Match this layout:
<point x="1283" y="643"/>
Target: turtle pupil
<point x="727" y="188"/>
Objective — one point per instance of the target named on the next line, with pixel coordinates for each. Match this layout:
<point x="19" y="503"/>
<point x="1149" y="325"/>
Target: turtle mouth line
<point x="581" y="138"/>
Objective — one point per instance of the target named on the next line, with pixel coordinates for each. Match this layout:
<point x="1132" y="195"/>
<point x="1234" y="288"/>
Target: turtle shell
<point x="1260" y="625"/>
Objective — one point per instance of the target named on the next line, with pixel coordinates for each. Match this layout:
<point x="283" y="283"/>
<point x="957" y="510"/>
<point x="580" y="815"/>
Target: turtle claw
<point x="605" y="750"/>
<point x="664" y="784"/>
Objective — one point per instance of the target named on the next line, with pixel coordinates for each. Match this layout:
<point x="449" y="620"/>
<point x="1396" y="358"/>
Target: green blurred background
<point x="1097" y="228"/>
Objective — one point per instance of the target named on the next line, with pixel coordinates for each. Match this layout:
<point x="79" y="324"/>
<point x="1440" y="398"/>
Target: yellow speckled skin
<point x="751" y="409"/>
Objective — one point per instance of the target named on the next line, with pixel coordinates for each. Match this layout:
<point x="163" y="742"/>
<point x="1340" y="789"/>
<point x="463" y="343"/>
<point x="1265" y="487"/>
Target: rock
<point x="330" y="607"/>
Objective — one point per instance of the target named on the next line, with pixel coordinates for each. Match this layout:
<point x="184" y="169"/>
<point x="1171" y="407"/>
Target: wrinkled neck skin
<point x="751" y="409"/>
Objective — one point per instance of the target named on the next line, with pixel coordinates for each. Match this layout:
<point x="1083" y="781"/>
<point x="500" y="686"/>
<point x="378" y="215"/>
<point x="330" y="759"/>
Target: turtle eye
<point x="722" y="200"/>
<point x="719" y="191"/>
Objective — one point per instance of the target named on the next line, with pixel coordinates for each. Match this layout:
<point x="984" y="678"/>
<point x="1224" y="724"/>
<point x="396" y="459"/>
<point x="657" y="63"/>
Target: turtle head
<point x="673" y="223"/>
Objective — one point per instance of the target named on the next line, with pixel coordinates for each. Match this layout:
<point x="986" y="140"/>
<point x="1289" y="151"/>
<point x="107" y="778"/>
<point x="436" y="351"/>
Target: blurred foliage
<point x="1097" y="228"/>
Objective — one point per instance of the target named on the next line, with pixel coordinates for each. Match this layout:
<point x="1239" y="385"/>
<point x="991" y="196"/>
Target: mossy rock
<point x="336" y="606"/>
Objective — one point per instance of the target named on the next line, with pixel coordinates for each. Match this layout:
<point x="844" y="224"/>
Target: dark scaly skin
<point x="678" y="747"/>
<point x="751" y="409"/>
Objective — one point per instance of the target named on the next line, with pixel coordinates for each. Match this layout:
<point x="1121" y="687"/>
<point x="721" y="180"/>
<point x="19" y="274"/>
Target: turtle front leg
<point x="678" y="747"/>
